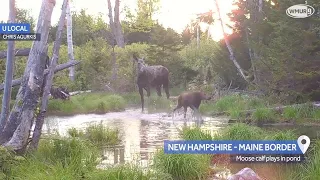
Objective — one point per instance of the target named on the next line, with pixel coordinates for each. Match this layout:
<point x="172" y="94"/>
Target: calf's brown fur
<point x="192" y="100"/>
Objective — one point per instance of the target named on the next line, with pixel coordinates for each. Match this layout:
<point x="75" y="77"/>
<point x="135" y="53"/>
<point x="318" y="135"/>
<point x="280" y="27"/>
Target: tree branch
<point x="17" y="52"/>
<point x="59" y="67"/>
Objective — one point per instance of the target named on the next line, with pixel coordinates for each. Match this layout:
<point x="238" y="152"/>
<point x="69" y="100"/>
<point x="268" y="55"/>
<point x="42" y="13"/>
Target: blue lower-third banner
<point x="232" y="147"/>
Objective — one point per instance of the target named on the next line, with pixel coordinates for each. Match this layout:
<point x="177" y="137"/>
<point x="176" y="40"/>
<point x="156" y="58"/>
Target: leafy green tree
<point x="284" y="51"/>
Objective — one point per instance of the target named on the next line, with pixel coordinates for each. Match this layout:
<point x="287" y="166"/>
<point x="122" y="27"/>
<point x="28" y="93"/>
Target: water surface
<point x="142" y="133"/>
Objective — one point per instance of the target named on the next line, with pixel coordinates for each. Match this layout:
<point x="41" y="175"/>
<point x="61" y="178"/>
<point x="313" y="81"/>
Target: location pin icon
<point x="304" y="146"/>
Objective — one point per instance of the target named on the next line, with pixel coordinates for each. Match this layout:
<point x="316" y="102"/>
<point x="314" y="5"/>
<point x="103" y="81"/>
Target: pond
<point x="142" y="133"/>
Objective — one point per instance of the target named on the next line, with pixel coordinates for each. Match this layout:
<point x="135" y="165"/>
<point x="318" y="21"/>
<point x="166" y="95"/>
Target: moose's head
<point x="141" y="63"/>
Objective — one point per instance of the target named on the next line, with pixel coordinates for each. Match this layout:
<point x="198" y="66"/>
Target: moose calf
<point x="192" y="100"/>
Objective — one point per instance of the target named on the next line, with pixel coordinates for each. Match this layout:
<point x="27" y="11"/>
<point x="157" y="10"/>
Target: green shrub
<point x="240" y="131"/>
<point x="182" y="166"/>
<point x="87" y="103"/>
<point x="58" y="159"/>
<point x="194" y="134"/>
<point x="263" y="115"/>
<point x="101" y="135"/>
<point x="290" y="113"/>
<point x="126" y="172"/>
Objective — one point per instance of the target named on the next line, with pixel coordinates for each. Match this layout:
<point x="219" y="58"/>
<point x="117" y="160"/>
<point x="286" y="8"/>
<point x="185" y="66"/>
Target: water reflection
<point x="142" y="134"/>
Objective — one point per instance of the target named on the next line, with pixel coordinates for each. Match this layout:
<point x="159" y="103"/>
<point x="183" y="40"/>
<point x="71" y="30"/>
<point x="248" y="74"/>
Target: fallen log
<point x="78" y="92"/>
<point x="278" y="109"/>
<point x="59" y="67"/>
<point x="17" y="52"/>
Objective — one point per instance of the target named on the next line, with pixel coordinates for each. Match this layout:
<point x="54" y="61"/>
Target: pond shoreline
<point x="303" y="122"/>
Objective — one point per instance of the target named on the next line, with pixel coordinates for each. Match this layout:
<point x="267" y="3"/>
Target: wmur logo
<point x="300" y="11"/>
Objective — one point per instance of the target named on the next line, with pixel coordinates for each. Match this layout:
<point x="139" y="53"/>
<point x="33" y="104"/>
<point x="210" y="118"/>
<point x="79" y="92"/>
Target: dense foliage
<point x="279" y="53"/>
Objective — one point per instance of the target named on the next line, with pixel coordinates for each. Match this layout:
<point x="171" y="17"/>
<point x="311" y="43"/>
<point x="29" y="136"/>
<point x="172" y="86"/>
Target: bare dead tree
<point x="117" y="25"/>
<point x="117" y="34"/>
<point x="70" y="42"/>
<point x="232" y="56"/>
<point x="48" y="85"/>
<point x="16" y="131"/>
<point x="9" y="72"/>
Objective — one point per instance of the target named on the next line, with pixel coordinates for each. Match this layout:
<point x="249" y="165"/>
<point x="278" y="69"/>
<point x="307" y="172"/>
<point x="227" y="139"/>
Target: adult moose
<point x="151" y="77"/>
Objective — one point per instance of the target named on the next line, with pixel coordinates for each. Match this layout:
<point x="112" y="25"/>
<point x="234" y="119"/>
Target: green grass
<point x="263" y="115"/>
<point x="233" y="105"/>
<point x="58" y="159"/>
<point x="225" y="103"/>
<point x="194" y="134"/>
<point x="153" y="104"/>
<point x="239" y="131"/>
<point x="70" y="159"/>
<point x="207" y="108"/>
<point x="126" y="172"/>
<point x="156" y="104"/>
<point x="290" y="113"/>
<point x="311" y="169"/>
<point x="87" y="103"/>
<point x="132" y="98"/>
<point x="98" y="134"/>
<point x="8" y="161"/>
<point x="305" y="111"/>
<point x="316" y="114"/>
<point x="185" y="166"/>
<point x="302" y="112"/>
<point x="182" y="166"/>
<point x="76" y="158"/>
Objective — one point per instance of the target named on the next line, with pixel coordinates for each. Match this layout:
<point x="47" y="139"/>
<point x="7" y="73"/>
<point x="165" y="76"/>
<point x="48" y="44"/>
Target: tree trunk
<point x="198" y="36"/>
<point x="208" y="35"/>
<point x="114" y="42"/>
<point x="115" y="66"/>
<point x="252" y="60"/>
<point x="117" y="34"/>
<point x="17" y="52"/>
<point x="60" y="67"/>
<point x="256" y="13"/>
<point x="256" y="54"/>
<point x="117" y="25"/>
<point x="232" y="57"/>
<point x="9" y="72"/>
<point x="46" y="92"/>
<point x="21" y="134"/>
<point x="70" y="42"/>
<point x="24" y="105"/>
<point x="111" y="23"/>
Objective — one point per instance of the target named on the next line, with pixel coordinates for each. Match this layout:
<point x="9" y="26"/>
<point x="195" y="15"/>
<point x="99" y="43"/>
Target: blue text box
<point x="231" y="147"/>
<point x="14" y="28"/>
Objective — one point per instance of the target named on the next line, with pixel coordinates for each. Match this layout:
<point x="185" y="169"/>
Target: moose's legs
<point x="185" y="108"/>
<point x="158" y="88"/>
<point x="196" y="112"/>
<point x="141" y="96"/>
<point x="178" y="107"/>
<point x="147" y="88"/>
<point x="166" y="87"/>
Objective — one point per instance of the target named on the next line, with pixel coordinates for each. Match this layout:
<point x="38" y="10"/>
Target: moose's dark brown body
<point x="151" y="77"/>
<point x="190" y="99"/>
